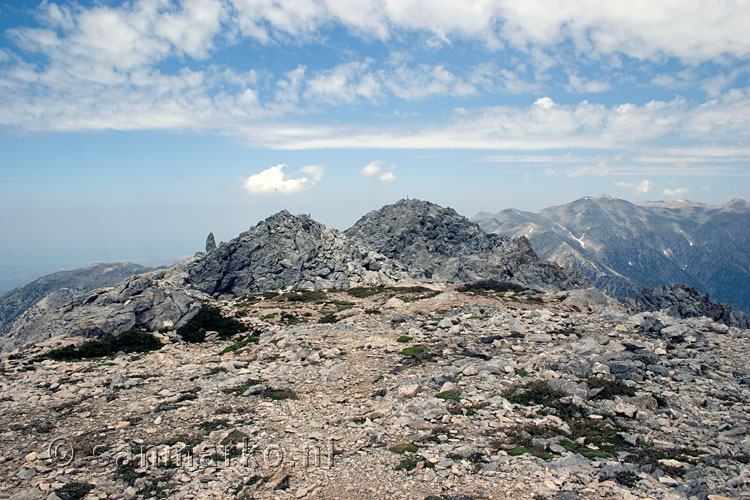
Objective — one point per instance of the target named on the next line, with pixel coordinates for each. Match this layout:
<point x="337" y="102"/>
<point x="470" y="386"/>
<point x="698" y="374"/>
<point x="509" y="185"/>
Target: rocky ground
<point x="392" y="393"/>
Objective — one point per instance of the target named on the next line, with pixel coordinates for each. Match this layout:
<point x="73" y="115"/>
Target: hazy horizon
<point x="130" y="130"/>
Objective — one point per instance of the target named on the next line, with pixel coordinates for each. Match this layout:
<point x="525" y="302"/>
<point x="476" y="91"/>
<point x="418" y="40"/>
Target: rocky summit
<point x="412" y="356"/>
<point x="424" y="243"/>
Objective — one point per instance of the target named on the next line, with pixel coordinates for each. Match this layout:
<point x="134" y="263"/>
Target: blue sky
<point x="129" y="130"/>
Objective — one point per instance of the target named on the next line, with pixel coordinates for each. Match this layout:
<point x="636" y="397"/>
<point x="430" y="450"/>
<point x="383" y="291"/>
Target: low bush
<point x="485" y="286"/>
<point x="128" y="342"/>
<point x="208" y="319"/>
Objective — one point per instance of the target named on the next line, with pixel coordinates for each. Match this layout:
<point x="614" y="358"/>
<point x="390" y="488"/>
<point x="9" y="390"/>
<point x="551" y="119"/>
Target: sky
<point x="130" y="129"/>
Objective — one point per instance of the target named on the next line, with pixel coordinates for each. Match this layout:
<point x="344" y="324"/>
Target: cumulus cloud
<point x="675" y="192"/>
<point x="274" y="180"/>
<point x="375" y="170"/>
<point x="639" y="188"/>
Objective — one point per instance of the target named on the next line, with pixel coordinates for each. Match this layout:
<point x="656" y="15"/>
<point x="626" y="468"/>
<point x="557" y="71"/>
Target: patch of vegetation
<point x="239" y="390"/>
<point x="213" y="425"/>
<point x="208" y="319"/>
<point x="410" y="351"/>
<point x="291" y="320"/>
<point x="253" y="480"/>
<point x="127" y="472"/>
<point x="74" y="491"/>
<point x="239" y="345"/>
<point x="523" y="450"/>
<point x="342" y="305"/>
<point x="472" y="410"/>
<point x="521" y="372"/>
<point x="303" y="296"/>
<point x="234" y="437"/>
<point x="475" y="458"/>
<point x="485" y="287"/>
<point x="362" y="292"/>
<point x="404" y="339"/>
<point x="359" y="420"/>
<point x="601" y="440"/>
<point x="128" y="342"/>
<point x="328" y="318"/>
<point x="402" y="448"/>
<point x="609" y="388"/>
<point x="448" y="396"/>
<point x="270" y="315"/>
<point x="651" y="456"/>
<point x="279" y="394"/>
<point x="627" y="478"/>
<point x="480" y="316"/>
<point x="157" y="488"/>
<point x="411" y="461"/>
<point x="570" y="445"/>
<point x="538" y="392"/>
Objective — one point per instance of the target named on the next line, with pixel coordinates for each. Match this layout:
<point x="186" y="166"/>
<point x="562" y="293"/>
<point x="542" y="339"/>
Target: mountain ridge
<point x="294" y="251"/>
<point x="624" y="247"/>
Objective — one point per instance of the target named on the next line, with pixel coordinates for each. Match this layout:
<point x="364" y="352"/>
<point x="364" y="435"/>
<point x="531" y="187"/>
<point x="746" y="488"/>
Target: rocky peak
<point x="411" y="225"/>
<point x="683" y="301"/>
<point x="437" y="244"/>
<point x="282" y="251"/>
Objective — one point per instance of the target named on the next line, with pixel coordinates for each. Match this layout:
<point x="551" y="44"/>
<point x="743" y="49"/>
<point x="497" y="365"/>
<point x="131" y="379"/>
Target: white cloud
<point x="375" y="170"/>
<point x="273" y="180"/>
<point x="697" y="30"/>
<point x="581" y="85"/>
<point x="639" y="188"/>
<point x="675" y="192"/>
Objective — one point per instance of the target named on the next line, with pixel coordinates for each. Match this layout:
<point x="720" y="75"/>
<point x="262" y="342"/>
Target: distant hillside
<point x="624" y="247"/>
<point x="59" y="288"/>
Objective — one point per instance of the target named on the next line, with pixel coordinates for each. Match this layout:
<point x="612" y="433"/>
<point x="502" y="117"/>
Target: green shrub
<point x="410" y="351"/>
<point x="404" y="339"/>
<point x="242" y="343"/>
<point x="128" y="342"/>
<point x="362" y="292"/>
<point x="538" y="392"/>
<point x="402" y="448"/>
<point x="448" y="395"/>
<point x="328" y="318"/>
<point x="609" y="388"/>
<point x="208" y="319"/>
<point x="74" y="491"/>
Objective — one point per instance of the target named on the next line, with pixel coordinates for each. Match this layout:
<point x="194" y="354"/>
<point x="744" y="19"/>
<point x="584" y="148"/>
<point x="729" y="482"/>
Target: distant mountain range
<point x="623" y="247"/>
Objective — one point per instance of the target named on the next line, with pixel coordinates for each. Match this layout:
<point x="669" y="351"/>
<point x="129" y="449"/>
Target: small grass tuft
<point x="404" y="339"/>
<point x="410" y="351"/>
<point x="402" y="448"/>
<point x="239" y="345"/>
<point x="448" y="395"/>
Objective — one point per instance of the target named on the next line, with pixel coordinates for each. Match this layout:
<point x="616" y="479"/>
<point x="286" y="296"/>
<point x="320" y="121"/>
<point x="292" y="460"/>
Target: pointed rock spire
<point x="210" y="242"/>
